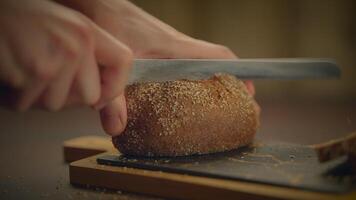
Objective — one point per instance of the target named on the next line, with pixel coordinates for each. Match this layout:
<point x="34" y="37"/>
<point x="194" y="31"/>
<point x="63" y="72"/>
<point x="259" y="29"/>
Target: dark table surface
<point x="32" y="165"/>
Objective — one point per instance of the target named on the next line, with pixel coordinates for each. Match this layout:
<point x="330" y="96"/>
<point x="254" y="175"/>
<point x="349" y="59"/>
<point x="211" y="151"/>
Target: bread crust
<point x="185" y="117"/>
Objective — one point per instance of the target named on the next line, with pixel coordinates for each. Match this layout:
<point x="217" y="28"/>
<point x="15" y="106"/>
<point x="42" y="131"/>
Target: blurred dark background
<point x="274" y="28"/>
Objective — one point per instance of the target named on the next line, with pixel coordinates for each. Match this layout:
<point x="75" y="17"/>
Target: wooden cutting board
<point x="261" y="171"/>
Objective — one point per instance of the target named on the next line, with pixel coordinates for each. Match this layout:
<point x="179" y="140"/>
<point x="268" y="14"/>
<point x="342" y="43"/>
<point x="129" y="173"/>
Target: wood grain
<point x="85" y="146"/>
<point x="88" y="172"/>
<point x="157" y="183"/>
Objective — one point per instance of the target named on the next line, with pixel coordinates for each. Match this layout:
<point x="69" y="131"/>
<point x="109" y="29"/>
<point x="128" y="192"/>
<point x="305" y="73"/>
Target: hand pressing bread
<point x="61" y="53"/>
<point x="184" y="117"/>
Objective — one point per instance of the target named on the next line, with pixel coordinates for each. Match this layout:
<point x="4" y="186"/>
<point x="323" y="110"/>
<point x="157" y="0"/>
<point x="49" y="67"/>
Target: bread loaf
<point x="186" y="117"/>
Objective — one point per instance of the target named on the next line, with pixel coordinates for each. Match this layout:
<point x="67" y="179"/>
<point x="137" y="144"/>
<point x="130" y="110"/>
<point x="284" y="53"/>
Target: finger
<point x="40" y="78"/>
<point x="57" y="91"/>
<point x="36" y="59"/>
<point x="88" y="80"/>
<point x="74" y="97"/>
<point x="115" y="60"/>
<point x="10" y="72"/>
<point x="68" y="51"/>
<point x="30" y="94"/>
<point x="39" y="67"/>
<point x="114" y="116"/>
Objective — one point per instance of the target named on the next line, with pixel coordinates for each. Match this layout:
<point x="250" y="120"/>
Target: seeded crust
<point x="185" y="117"/>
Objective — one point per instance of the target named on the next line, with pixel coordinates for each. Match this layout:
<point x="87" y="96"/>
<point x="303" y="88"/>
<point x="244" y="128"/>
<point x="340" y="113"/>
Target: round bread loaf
<point x="186" y="117"/>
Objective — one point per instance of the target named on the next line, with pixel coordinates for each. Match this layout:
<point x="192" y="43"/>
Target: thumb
<point x="114" y="116"/>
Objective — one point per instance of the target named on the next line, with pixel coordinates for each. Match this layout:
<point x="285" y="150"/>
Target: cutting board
<point x="260" y="171"/>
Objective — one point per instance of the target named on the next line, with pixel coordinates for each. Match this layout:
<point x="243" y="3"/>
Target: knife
<point x="274" y="68"/>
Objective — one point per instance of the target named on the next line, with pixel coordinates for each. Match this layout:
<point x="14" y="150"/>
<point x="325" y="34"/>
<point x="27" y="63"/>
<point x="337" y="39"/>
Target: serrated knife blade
<point x="276" y="68"/>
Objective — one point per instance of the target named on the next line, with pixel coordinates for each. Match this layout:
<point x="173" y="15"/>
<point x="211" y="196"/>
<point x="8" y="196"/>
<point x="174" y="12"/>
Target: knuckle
<point x="83" y="30"/>
<point x="225" y="50"/>
<point x="126" y="57"/>
<point x="71" y="53"/>
<point x="63" y="49"/>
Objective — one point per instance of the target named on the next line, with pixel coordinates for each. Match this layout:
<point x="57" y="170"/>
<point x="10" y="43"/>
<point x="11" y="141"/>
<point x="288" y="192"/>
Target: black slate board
<point x="276" y="164"/>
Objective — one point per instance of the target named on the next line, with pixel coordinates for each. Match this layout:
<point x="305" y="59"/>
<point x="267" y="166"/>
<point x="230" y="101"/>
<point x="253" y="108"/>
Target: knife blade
<point x="276" y="68"/>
